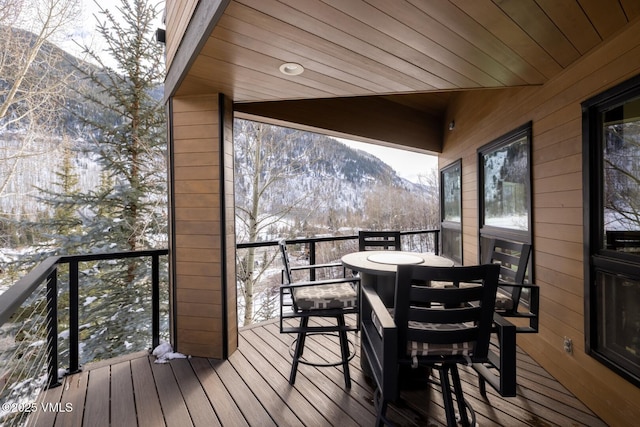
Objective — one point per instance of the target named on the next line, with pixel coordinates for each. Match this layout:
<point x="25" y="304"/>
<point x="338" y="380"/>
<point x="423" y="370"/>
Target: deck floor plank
<point x="265" y="392"/>
<point x="313" y="385"/>
<point x="252" y="389"/>
<point x="42" y="418"/>
<point x="96" y="413"/>
<point x="123" y="408"/>
<point x="173" y="406"/>
<point x="331" y="381"/>
<point x="145" y="393"/>
<point x="246" y="400"/>
<point x="198" y="404"/>
<point x="328" y="348"/>
<point x="225" y="407"/>
<point x="316" y="405"/>
<point x="74" y="393"/>
<point x="306" y="412"/>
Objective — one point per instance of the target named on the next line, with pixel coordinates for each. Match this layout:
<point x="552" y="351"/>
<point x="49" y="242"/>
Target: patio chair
<point x="513" y="259"/>
<point x="303" y="301"/>
<point x="433" y="327"/>
<point x="330" y="268"/>
<point x="379" y="240"/>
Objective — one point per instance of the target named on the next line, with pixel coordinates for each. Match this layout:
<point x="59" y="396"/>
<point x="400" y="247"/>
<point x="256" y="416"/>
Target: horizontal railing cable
<point x="24" y="359"/>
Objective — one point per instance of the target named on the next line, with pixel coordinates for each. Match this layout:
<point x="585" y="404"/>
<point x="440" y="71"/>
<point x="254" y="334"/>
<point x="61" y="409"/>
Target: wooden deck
<point x="251" y="389"/>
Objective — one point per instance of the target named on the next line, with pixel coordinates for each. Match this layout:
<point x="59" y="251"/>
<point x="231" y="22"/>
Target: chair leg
<point x="457" y="387"/>
<point x="297" y="354"/>
<point x="344" y="347"/>
<point x="381" y="408"/>
<point x="482" y="385"/>
<point x="446" y="395"/>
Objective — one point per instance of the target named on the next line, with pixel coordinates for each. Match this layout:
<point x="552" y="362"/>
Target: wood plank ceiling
<point x="355" y="48"/>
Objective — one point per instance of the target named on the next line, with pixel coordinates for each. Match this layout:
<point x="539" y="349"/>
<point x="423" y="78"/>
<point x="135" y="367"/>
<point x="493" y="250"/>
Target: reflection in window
<point x="619" y="319"/>
<point x="451" y="193"/>
<point x="451" y="211"/>
<point x="505" y="186"/>
<point x="621" y="164"/>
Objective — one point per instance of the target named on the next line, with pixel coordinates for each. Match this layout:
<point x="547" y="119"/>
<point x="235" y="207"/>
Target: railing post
<point x="74" y="323"/>
<point x="436" y="239"/>
<point x="155" y="301"/>
<point x="52" y="328"/>
<point x="312" y="260"/>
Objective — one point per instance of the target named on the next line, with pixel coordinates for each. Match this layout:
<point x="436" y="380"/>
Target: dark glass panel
<point x="619" y="319"/>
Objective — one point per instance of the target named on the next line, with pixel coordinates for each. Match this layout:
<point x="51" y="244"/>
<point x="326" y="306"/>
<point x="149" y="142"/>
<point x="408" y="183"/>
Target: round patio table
<point x="378" y="268"/>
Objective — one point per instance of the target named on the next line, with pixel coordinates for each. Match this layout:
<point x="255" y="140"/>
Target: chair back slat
<point x="461" y="295"/>
<point x="438" y="315"/>
<point x="285" y="262"/>
<point x="379" y="240"/>
<point x="507" y="274"/>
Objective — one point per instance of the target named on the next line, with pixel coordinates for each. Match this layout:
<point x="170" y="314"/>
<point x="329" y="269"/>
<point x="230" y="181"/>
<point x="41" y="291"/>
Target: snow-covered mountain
<point x="313" y="173"/>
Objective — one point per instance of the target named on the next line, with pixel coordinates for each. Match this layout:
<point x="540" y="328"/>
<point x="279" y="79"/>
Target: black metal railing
<point x="46" y="273"/>
<point x="311" y="244"/>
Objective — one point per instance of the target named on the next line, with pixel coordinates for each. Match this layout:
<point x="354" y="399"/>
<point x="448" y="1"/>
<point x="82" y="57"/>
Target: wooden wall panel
<point x="178" y="14"/>
<point x="201" y="237"/>
<point x="366" y="117"/>
<point x="555" y="111"/>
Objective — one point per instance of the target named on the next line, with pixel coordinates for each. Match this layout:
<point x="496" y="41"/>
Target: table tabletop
<point x="386" y="262"/>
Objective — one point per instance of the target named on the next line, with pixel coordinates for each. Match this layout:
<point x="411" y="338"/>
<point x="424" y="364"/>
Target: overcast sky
<point x="84" y="33"/>
<point x="408" y="164"/>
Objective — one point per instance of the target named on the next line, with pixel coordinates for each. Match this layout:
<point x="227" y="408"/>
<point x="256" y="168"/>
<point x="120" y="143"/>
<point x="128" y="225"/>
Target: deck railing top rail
<point x="13" y="297"/>
<point x="245" y="245"/>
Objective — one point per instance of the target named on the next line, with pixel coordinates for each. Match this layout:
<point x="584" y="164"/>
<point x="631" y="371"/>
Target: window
<point x="611" y="150"/>
<point x="505" y="187"/>
<point x="451" y="211"/>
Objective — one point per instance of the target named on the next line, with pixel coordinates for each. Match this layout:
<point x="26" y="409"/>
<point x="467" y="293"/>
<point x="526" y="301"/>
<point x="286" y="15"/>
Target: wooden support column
<point x="202" y="231"/>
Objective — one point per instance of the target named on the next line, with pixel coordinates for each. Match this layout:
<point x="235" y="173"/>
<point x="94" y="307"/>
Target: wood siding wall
<point x="555" y="111"/>
<point x="203" y="274"/>
<point x="178" y="15"/>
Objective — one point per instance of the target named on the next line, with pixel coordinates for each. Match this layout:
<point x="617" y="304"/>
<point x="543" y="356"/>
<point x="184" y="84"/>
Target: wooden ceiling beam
<point x="367" y="118"/>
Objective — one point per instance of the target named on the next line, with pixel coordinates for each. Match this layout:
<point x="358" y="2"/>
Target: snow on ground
<point x="164" y="352"/>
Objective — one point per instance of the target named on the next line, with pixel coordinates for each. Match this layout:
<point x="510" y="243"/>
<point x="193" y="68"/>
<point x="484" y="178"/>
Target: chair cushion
<point x="318" y="297"/>
<point x="441" y="285"/>
<point x="503" y="301"/>
<point x="415" y="348"/>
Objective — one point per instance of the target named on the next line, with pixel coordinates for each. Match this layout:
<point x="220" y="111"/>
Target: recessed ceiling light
<point x="291" y="69"/>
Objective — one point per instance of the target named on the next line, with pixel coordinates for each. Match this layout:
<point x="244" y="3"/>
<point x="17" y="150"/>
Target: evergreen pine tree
<point x="59" y="233"/>
<point x="127" y="211"/>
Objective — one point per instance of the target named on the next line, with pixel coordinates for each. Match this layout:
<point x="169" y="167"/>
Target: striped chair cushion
<point x="318" y="297"/>
<point x="415" y="348"/>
